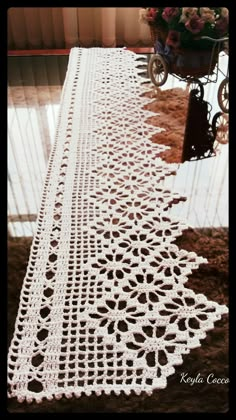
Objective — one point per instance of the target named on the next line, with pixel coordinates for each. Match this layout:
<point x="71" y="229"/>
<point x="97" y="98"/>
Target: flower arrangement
<point x="184" y="26"/>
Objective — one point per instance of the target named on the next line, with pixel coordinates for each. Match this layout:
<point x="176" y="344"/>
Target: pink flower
<point x="173" y="39"/>
<point x="169" y="13"/>
<point x="207" y="14"/>
<point x="224" y="12"/>
<point x="222" y="25"/>
<point x="151" y="14"/>
<point x="195" y="24"/>
<point x="187" y="13"/>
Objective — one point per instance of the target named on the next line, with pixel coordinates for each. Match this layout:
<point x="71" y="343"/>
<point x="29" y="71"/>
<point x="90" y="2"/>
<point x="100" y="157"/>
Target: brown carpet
<point x="212" y="357"/>
<point x="171" y="106"/>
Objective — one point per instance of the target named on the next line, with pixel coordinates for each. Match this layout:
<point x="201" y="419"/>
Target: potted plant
<point x="184" y="26"/>
<point x="178" y="34"/>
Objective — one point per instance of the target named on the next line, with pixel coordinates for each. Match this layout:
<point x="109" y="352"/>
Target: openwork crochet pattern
<point x="104" y="305"/>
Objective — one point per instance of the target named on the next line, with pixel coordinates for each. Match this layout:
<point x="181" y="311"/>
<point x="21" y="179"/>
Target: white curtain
<point x="65" y="27"/>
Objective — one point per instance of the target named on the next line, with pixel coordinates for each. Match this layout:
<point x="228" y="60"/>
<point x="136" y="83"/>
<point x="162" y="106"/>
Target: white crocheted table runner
<point x="103" y="305"/>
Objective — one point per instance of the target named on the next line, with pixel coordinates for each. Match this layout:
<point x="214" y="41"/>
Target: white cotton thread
<point x="103" y="306"/>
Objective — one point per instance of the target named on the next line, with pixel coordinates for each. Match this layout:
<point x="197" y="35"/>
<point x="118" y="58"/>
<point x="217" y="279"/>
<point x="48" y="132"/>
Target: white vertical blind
<point x="70" y="26"/>
<point x="58" y="26"/>
<point x="33" y="27"/>
<point x="131" y="29"/>
<point x="45" y="14"/>
<point x="9" y="33"/>
<point x="65" y="27"/>
<point x="86" y="18"/>
<point x="18" y="27"/>
<point x="108" y="26"/>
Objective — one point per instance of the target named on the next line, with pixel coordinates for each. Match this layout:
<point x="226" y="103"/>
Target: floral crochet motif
<point x="104" y="307"/>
